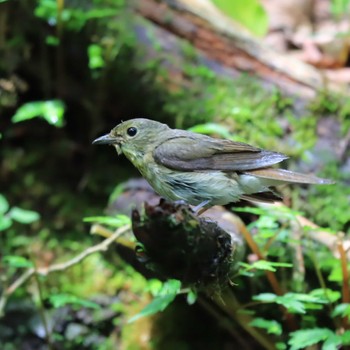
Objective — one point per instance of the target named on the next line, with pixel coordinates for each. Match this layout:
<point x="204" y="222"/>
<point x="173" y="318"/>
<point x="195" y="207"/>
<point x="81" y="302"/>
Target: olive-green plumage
<point x="201" y="170"/>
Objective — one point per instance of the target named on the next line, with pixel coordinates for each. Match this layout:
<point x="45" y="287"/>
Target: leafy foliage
<point x="59" y="300"/>
<point x="307" y="337"/>
<point x="8" y="215"/>
<point x="23" y="216"/>
<point x="271" y="326"/>
<point x="17" y="261"/>
<point x="250" y="13"/>
<point x="96" y="59"/>
<point x="74" y="18"/>
<point x="294" y="302"/>
<point x="342" y="310"/>
<point x="162" y="299"/>
<point x="339" y="7"/>
<point x="263" y="265"/>
<point x="51" y="111"/>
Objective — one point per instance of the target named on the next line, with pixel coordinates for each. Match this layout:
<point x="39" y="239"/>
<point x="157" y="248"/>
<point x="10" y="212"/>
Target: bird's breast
<point x="194" y="187"/>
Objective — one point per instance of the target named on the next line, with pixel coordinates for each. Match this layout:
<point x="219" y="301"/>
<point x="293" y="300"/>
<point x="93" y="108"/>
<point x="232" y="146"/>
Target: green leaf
<point x="52" y="40"/>
<point x="271" y="326"/>
<point x="157" y="287"/>
<point x="158" y="304"/>
<point x="303" y="338"/>
<point x="293" y="302"/>
<point x="267" y="222"/>
<point x="268" y="265"/>
<point x="339" y="7"/>
<point x="4" y="205"/>
<point x="171" y="286"/>
<point x="211" y="128"/>
<point x="265" y="265"/>
<point x="266" y="297"/>
<point x="23" y="216"/>
<point x="118" y="190"/>
<point x="51" y="111"/>
<point x="281" y="346"/>
<point x="113" y="221"/>
<point x="326" y="295"/>
<point x="191" y="297"/>
<point x="342" y="310"/>
<point x="293" y="306"/>
<point x="59" y="300"/>
<point x="336" y="274"/>
<point x="95" y="54"/>
<point x="17" y="261"/>
<point x="299" y="302"/>
<point x="166" y="294"/>
<point x="250" y="13"/>
<point x="346" y="338"/>
<point x="47" y="9"/>
<point x="333" y="342"/>
<point x="5" y="222"/>
<point x="154" y="286"/>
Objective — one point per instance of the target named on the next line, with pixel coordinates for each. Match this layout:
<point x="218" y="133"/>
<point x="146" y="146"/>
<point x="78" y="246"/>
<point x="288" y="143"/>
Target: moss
<point x="333" y="104"/>
<point x="329" y="205"/>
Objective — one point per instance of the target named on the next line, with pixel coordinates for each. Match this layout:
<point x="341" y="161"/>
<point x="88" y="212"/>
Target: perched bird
<point x="200" y="170"/>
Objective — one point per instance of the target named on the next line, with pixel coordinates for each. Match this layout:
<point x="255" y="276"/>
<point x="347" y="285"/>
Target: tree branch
<point x="44" y="271"/>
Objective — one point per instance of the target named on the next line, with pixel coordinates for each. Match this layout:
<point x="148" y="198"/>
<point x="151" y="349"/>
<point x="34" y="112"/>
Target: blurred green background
<point x="72" y="70"/>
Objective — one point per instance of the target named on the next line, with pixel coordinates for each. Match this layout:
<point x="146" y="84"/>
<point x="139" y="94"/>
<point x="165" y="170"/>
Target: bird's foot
<point x="200" y="208"/>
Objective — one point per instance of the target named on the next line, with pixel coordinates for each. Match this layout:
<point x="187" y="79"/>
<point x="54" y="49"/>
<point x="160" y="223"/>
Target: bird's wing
<point x="188" y="153"/>
<point x="283" y="175"/>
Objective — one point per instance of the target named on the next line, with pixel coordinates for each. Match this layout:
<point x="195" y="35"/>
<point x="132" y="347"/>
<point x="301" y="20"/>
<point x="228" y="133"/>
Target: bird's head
<point x="133" y="136"/>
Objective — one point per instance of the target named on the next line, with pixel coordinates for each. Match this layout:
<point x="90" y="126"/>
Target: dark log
<point x="176" y="243"/>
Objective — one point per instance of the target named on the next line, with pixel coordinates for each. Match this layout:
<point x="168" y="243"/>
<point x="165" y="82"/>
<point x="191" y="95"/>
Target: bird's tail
<point x="284" y="176"/>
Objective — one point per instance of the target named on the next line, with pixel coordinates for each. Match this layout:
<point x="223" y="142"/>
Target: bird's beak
<point x="106" y="140"/>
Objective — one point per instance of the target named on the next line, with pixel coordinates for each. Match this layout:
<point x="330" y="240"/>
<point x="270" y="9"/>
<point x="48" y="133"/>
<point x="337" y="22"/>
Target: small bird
<point x="200" y="170"/>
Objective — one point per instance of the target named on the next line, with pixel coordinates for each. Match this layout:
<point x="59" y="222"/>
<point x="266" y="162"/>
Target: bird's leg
<point x="199" y="209"/>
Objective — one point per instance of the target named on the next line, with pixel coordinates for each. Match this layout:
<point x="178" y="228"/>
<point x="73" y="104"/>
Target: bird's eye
<point x="131" y="131"/>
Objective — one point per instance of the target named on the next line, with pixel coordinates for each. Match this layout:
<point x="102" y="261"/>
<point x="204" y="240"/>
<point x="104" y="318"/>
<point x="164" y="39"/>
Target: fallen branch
<point x="220" y="39"/>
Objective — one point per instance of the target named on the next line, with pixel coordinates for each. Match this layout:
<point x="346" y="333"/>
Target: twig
<point x="100" y="230"/>
<point x="256" y="250"/>
<point x="44" y="271"/>
<point x="345" y="288"/>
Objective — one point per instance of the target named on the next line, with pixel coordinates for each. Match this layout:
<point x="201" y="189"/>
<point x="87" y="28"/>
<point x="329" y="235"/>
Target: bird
<point x="200" y="170"/>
